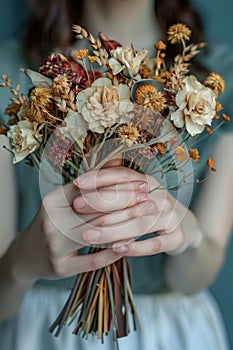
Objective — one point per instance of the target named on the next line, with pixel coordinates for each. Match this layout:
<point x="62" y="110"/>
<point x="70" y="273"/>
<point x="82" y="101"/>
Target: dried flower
<point x="227" y="118"/>
<point x="181" y="156"/>
<point x="12" y="109"/>
<point x="215" y="82"/>
<point x="25" y="138"/>
<point x="196" y="106"/>
<point x="178" y="32"/>
<point x="79" y="55"/>
<point x="61" y="87"/>
<point x="126" y="60"/>
<point x="103" y="105"/>
<point x="40" y="106"/>
<point x="194" y="154"/>
<point x="210" y="164"/>
<point x="148" y="96"/>
<point x="129" y="133"/>
<point x="160" y="45"/>
<point x="60" y="151"/>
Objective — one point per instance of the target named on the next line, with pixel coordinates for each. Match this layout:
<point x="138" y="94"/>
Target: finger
<point x="166" y="243"/>
<point x="128" y="229"/>
<point x="106" y="177"/>
<point x="75" y="264"/>
<point x="122" y="196"/>
<point x="146" y="208"/>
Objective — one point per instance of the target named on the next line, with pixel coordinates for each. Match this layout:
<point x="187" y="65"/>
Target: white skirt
<point x="169" y="321"/>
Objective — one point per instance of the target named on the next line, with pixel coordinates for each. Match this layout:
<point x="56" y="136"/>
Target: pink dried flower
<point x="60" y="151"/>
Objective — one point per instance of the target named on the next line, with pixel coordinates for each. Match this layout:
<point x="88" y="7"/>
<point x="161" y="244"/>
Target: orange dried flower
<point x="227" y="118"/>
<point x="194" y="154"/>
<point x="160" y="45"/>
<point x="92" y="59"/>
<point x="148" y="96"/>
<point x="210" y="164"/>
<point x="209" y="131"/>
<point x="12" y="121"/>
<point x="2" y="131"/>
<point x="13" y="108"/>
<point x="219" y="107"/>
<point x="79" y="55"/>
<point x="161" y="148"/>
<point x="178" y="32"/>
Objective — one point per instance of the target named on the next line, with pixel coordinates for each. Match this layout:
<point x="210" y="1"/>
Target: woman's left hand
<point x="129" y="209"/>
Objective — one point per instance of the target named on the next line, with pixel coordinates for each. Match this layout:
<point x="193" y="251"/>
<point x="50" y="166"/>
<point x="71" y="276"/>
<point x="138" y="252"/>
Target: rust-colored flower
<point x="129" y="133"/>
<point x="12" y="109"/>
<point x="210" y="164"/>
<point x="215" y="82"/>
<point x="178" y="32"/>
<point x="181" y="156"/>
<point x="148" y="96"/>
<point x="209" y="131"/>
<point x="161" y="148"/>
<point x="194" y="154"/>
<point x="219" y="107"/>
<point x="107" y="43"/>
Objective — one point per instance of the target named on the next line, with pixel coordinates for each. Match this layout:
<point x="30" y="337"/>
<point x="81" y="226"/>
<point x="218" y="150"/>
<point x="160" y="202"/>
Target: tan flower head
<point x="181" y="156"/>
<point x="148" y="96"/>
<point x="129" y="133"/>
<point x="178" y="32"/>
<point x="215" y="82"/>
<point x="61" y="87"/>
<point x="103" y="104"/>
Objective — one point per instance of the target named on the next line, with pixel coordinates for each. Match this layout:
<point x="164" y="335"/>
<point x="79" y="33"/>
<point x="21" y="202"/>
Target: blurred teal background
<point x="218" y="20"/>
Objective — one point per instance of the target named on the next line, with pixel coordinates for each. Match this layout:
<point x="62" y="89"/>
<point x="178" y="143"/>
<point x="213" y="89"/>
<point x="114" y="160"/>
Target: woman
<point x="173" y="269"/>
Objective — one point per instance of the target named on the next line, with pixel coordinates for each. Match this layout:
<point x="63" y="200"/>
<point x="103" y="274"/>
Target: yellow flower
<point x="160" y="45"/>
<point x="79" y="55"/>
<point x="178" y="32"/>
<point x="215" y="82"/>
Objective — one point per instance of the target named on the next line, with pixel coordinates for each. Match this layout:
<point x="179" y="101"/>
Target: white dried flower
<point x="25" y="138"/>
<point x="197" y="106"/>
<point x="126" y="60"/>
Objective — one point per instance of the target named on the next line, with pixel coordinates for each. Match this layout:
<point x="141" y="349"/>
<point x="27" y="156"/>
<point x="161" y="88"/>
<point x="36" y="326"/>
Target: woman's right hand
<point x="44" y="249"/>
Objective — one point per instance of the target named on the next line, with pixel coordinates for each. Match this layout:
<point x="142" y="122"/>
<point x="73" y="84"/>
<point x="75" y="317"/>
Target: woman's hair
<point x="50" y="23"/>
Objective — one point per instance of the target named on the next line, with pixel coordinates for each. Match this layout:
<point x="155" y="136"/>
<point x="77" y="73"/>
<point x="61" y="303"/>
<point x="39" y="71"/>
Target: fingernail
<point x="91" y="236"/>
<point x="80" y="181"/>
<point x="150" y="207"/>
<point x="80" y="203"/>
<point x="120" y="249"/>
<point x="143" y="187"/>
<point x="141" y="197"/>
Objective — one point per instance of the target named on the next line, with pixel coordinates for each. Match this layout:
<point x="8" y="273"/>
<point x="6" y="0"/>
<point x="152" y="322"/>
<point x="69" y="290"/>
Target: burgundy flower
<point x="107" y="43"/>
<point x="60" y="151"/>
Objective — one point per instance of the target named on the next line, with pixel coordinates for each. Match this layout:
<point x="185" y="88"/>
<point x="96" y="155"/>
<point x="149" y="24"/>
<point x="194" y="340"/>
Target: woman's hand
<point x="44" y="249"/>
<point x="129" y="209"/>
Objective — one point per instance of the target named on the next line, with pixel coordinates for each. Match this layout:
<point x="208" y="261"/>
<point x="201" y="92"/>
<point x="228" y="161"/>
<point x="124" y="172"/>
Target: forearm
<point x="195" y="268"/>
<point x="12" y="288"/>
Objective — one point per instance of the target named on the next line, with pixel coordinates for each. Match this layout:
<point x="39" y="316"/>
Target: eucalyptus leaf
<point x="38" y="79"/>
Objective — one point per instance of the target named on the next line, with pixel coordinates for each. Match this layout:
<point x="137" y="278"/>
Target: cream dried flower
<point x="103" y="104"/>
<point x="196" y="106"/>
<point x="126" y="60"/>
<point x="25" y="138"/>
